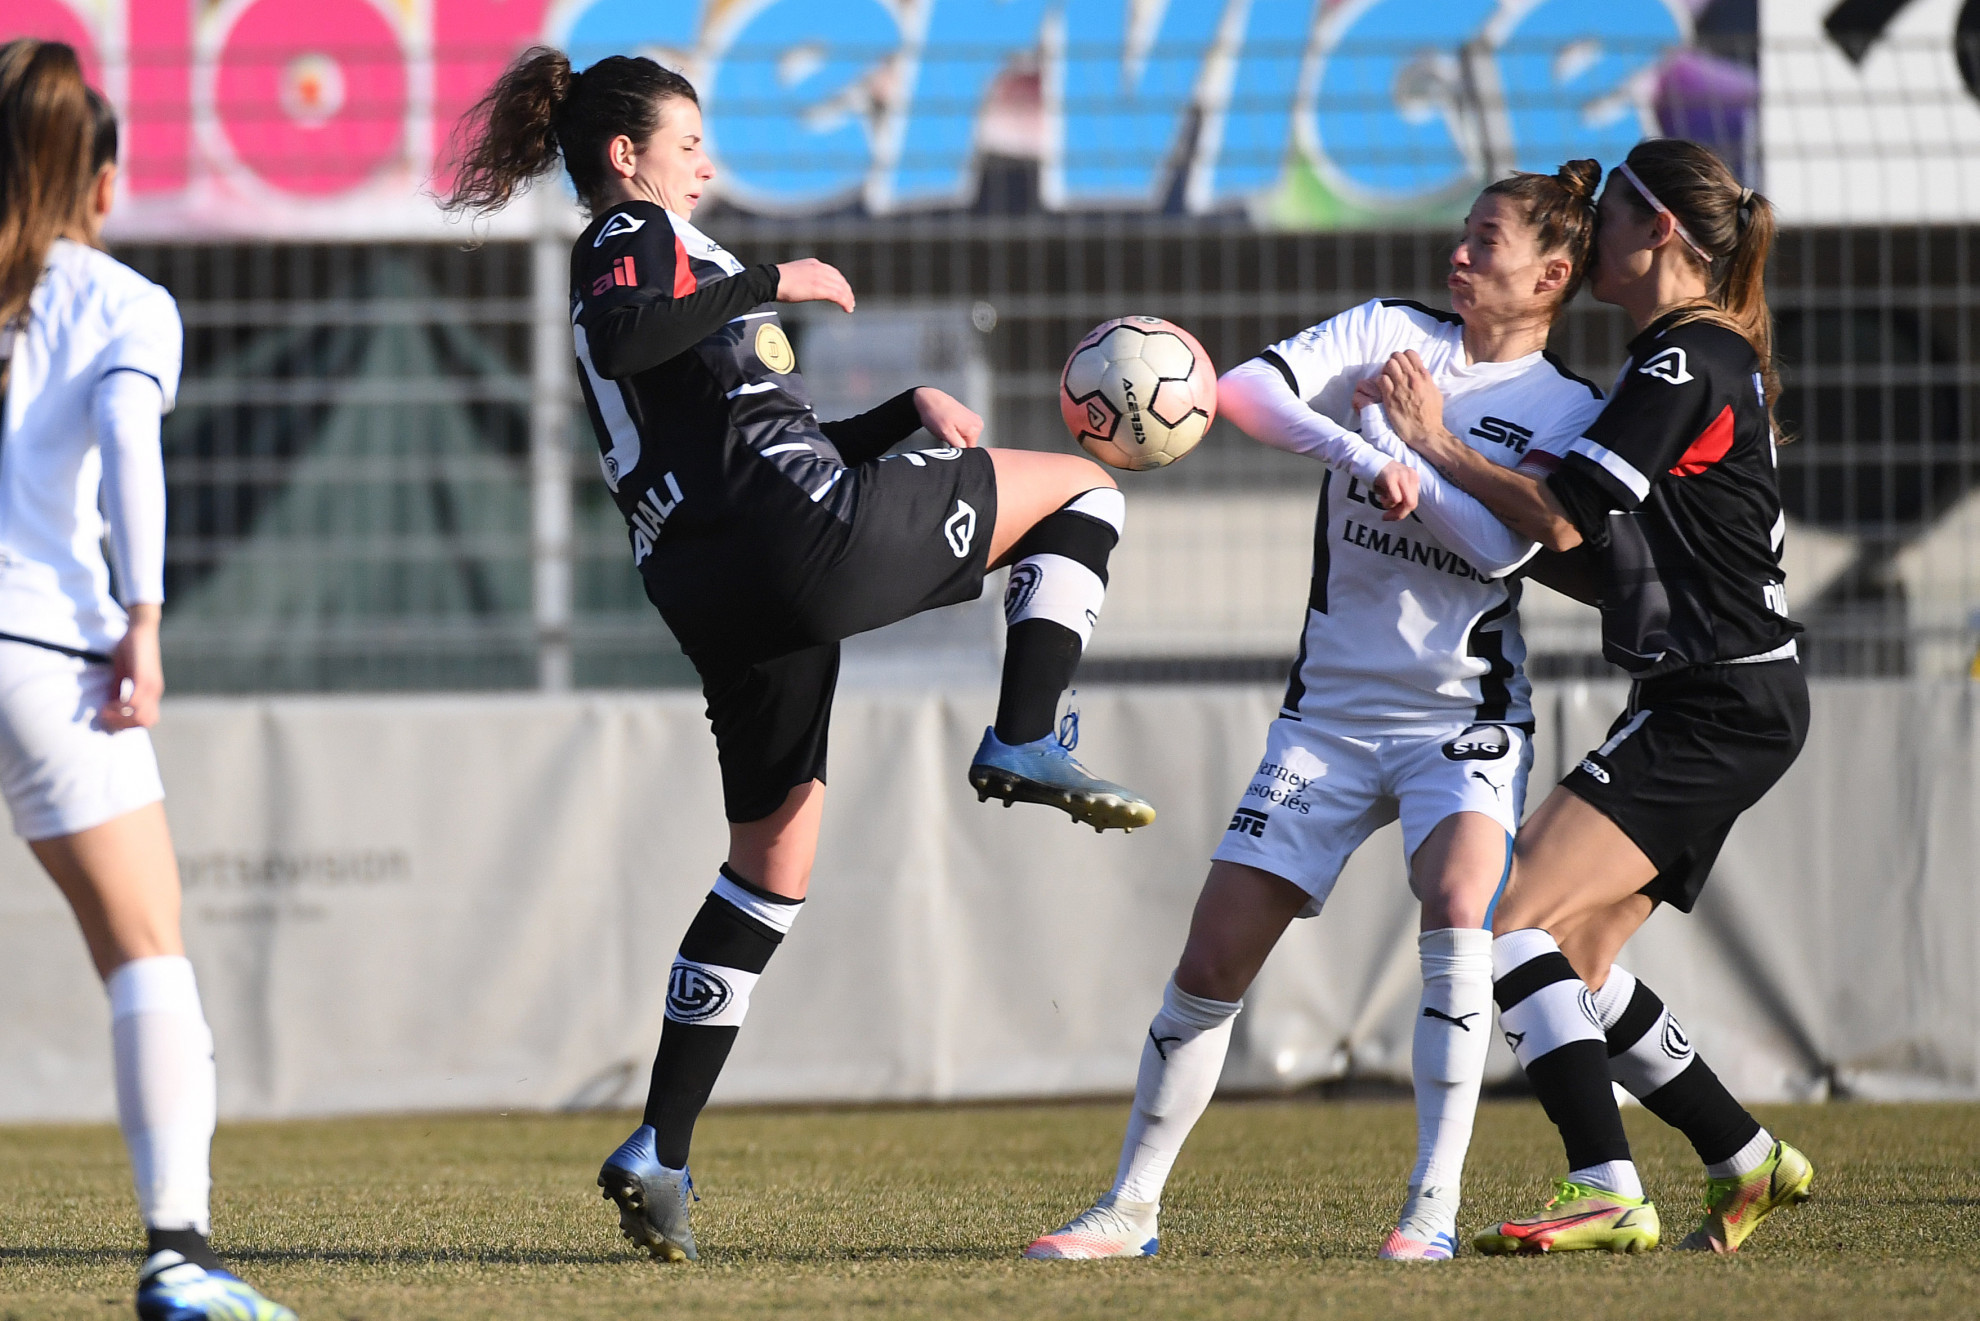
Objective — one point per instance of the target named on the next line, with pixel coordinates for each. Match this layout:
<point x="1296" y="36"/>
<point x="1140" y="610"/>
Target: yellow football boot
<point x="1579" y="1218"/>
<point x="1735" y="1207"/>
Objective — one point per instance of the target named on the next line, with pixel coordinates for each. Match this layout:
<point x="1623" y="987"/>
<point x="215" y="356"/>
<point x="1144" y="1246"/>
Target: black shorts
<point x="1691" y="752"/>
<point x="767" y="645"/>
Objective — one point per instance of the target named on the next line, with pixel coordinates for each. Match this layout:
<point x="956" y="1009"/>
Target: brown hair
<point x="540" y="109"/>
<point x="1732" y="223"/>
<point x="1561" y="207"/>
<point x="48" y="135"/>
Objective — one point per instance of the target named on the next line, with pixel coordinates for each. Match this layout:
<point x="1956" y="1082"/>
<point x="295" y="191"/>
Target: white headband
<point x="1663" y="210"/>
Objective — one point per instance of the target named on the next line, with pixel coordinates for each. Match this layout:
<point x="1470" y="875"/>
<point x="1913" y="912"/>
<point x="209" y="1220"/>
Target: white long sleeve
<point x="1254" y="395"/>
<point x="1457" y="519"/>
<point x="126" y="408"/>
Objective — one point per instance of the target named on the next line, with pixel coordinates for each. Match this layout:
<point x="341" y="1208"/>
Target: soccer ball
<point x="1138" y="392"/>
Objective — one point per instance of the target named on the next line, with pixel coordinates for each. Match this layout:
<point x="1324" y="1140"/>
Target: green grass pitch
<point x="1275" y="1211"/>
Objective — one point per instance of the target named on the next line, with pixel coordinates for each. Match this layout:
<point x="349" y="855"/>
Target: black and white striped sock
<point x="725" y="950"/>
<point x="1653" y="1059"/>
<point x="1549" y="1020"/>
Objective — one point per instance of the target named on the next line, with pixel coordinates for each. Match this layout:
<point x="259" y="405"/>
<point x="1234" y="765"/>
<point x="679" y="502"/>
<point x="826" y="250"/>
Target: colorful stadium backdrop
<point x="327" y="118"/>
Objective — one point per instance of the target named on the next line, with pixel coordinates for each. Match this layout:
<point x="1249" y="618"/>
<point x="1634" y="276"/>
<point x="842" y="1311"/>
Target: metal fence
<point x="379" y="477"/>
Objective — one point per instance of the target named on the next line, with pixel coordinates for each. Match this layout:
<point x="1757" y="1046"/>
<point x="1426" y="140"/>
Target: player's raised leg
<point x="1058" y="519"/>
<point x="1239" y="917"/>
<point x="1455" y="872"/>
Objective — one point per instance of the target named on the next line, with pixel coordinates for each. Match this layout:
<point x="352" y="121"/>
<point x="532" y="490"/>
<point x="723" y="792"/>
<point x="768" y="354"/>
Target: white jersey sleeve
<point x="1258" y="400"/>
<point x="125" y="409"/>
<point x="146" y="337"/>
<point x="1297" y="394"/>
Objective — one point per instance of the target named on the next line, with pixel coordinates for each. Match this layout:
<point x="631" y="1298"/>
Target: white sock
<point x="1180" y="1064"/>
<point x="1744" y="1161"/>
<point x="1614" y="1176"/>
<point x="1453" y="1032"/>
<point x="166" y="1102"/>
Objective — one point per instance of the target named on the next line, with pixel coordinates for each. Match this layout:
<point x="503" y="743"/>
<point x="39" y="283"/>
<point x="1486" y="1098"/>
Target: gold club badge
<point x="773" y="349"/>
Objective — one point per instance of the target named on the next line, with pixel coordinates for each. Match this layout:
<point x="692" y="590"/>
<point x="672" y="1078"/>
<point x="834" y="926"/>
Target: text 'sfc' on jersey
<point x="1401" y="628"/>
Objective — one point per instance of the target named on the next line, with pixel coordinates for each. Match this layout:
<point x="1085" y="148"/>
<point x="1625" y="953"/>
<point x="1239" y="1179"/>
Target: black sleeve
<point x="1656" y="411"/>
<point x="1573" y="573"/>
<point x="870" y="434"/>
<point x="638" y="303"/>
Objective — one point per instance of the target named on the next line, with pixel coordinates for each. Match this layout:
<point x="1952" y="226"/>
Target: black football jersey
<point x="1675" y="485"/>
<point x="692" y="384"/>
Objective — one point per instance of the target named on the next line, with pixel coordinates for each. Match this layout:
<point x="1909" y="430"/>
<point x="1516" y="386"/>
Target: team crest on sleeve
<point x="773" y="348"/>
<point x="620" y="223"/>
<point x="1668" y="366"/>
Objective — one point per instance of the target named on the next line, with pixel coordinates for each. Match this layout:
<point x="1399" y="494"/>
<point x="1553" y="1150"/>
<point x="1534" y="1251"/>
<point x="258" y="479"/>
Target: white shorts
<point x="62" y="772"/>
<point x="1321" y="791"/>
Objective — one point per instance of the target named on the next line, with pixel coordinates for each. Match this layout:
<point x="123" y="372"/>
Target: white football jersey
<point x="90" y="315"/>
<point x="1401" y="629"/>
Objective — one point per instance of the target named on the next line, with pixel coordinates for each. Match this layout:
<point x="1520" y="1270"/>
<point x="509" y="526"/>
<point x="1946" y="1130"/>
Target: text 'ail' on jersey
<point x="1399" y="627"/>
<point x="718" y="429"/>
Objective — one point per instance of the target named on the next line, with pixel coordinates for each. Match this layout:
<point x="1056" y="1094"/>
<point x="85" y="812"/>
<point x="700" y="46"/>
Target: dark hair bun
<point x="1581" y="178"/>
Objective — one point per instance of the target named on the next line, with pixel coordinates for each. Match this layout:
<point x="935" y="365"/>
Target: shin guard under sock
<point x="1549" y="1020"/>
<point x="1180" y="1063"/>
<point x="1447" y="1061"/>
<point x="166" y="1100"/>
<point x="725" y="950"/>
<point x="1056" y="589"/>
<point x="1653" y="1059"/>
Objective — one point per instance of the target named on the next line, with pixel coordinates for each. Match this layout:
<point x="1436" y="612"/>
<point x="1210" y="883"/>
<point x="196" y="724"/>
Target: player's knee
<point x="1201" y="972"/>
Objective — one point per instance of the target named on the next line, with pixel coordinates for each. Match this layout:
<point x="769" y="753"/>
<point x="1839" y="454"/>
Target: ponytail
<point x="1732" y="228"/>
<point x="47" y="144"/>
<point x="542" y="110"/>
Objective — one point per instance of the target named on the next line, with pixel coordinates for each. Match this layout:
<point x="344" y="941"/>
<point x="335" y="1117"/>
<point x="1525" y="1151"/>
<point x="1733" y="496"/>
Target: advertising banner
<point x="332" y="118"/>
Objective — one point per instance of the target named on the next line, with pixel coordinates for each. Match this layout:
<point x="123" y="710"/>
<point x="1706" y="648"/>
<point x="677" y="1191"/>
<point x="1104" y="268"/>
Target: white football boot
<point x="1108" y="1228"/>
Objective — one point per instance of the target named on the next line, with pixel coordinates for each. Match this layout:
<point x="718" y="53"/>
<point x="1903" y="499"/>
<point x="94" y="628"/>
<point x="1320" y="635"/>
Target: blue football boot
<point x="1044" y="771"/>
<point x="170" y="1288"/>
<point x="653" y="1200"/>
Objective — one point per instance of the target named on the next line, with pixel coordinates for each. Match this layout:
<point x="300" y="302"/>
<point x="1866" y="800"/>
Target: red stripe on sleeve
<point x="1709" y="448"/>
<point x="683" y="273"/>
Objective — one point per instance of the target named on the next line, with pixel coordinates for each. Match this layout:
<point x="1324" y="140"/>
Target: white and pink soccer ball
<point x="1138" y="392"/>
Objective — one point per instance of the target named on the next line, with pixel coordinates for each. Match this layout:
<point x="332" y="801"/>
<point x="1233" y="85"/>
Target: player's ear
<point x="622" y="154"/>
<point x="1554" y="275"/>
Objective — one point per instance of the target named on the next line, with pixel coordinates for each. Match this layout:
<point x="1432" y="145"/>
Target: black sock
<point x="1546" y="1014"/>
<point x="726" y="948"/>
<point x="1573" y="1086"/>
<point x="188" y="1243"/>
<point x="1058" y="581"/>
<point x="1654" y="1061"/>
<point x="1039" y="659"/>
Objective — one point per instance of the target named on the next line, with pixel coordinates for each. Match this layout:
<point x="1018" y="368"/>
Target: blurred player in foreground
<point x="1673" y="492"/>
<point x="1408" y="698"/>
<point x="92" y="354"/>
<point x="765" y="537"/>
